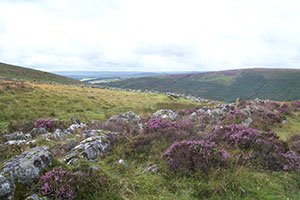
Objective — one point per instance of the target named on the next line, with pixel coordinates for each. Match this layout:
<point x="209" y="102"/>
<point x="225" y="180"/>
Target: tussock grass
<point x="29" y="101"/>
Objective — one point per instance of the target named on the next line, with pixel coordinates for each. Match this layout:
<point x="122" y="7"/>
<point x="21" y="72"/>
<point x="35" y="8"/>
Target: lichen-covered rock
<point x="90" y="148"/>
<point x="128" y="120"/>
<point x="74" y="127"/>
<point x="247" y="122"/>
<point x="59" y="134"/>
<point x="90" y="133"/>
<point x="75" y="120"/>
<point x="165" y="114"/>
<point x="25" y="167"/>
<point x="152" y="169"/>
<point x="7" y="187"/>
<point x="36" y="197"/>
<point x="14" y="136"/>
<point x="31" y="143"/>
<point x="38" y="131"/>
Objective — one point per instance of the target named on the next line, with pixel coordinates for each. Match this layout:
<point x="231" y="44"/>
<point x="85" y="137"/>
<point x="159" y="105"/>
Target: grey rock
<point x="247" y="122"/>
<point x="31" y="143"/>
<point x="69" y="145"/>
<point x="90" y="148"/>
<point x="27" y="166"/>
<point x="75" y="120"/>
<point x="129" y="118"/>
<point x="38" y="131"/>
<point x="165" y="114"/>
<point x="90" y="133"/>
<point x="74" y="127"/>
<point x="14" y="136"/>
<point x="152" y="169"/>
<point x="59" y="134"/>
<point x="36" y="197"/>
<point x="7" y="187"/>
<point x="192" y="116"/>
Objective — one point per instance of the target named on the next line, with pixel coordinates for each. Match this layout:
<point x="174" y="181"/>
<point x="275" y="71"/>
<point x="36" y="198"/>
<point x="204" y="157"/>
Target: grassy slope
<point x="233" y="183"/>
<point x="28" y="101"/>
<point x="276" y="84"/>
<point x="11" y="71"/>
<point x="291" y="128"/>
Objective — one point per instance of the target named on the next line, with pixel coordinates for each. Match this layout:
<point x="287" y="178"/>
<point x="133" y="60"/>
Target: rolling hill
<point x="16" y="72"/>
<point x="275" y="84"/>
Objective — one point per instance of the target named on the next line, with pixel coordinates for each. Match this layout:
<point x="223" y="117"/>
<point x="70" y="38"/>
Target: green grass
<point x="236" y="182"/>
<point x="291" y="128"/>
<point x="29" y="101"/>
<point x="22" y="73"/>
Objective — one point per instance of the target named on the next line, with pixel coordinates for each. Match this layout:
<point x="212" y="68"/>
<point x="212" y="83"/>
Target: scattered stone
<point x="31" y="143"/>
<point x="27" y="166"/>
<point x="59" y="134"/>
<point x="128" y="119"/>
<point x="36" y="197"/>
<point x="14" y="136"/>
<point x="192" y="116"/>
<point x="7" y="187"/>
<point x="28" y="136"/>
<point x="247" y="122"/>
<point x="122" y="162"/>
<point x="75" y="120"/>
<point x="165" y="114"/>
<point x="90" y="133"/>
<point x="90" y="148"/>
<point x="38" y="131"/>
<point x="152" y="169"/>
<point x="69" y="145"/>
<point x="284" y="122"/>
<point x="74" y="127"/>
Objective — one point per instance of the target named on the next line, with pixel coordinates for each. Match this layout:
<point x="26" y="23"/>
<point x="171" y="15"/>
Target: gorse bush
<point x="197" y="155"/>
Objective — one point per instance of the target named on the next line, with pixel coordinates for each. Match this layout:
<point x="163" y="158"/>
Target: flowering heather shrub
<point x="187" y="111"/>
<point x="159" y="123"/>
<point x="292" y="161"/>
<point x="197" y="155"/>
<point x="295" y="105"/>
<point x="262" y="148"/>
<point x="235" y="116"/>
<point x="155" y="124"/>
<point x="236" y="135"/>
<point x="44" y="123"/>
<point x="57" y="184"/>
<point x="294" y="143"/>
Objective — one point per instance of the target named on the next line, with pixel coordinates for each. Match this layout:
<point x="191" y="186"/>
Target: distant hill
<point x="275" y="84"/>
<point x="12" y="71"/>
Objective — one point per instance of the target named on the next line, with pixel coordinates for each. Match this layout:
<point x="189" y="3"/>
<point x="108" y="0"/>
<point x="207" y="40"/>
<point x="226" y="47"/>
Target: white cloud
<point x="150" y="35"/>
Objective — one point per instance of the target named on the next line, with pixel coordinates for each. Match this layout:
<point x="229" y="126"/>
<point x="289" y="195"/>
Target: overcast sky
<point x="150" y="35"/>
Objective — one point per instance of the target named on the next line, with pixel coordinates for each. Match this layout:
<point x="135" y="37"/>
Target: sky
<point x="150" y="35"/>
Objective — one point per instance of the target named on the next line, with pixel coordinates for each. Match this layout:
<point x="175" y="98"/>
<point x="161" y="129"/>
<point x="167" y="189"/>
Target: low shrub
<point x="57" y="184"/>
<point x="44" y="123"/>
<point x="197" y="155"/>
<point x="263" y="149"/>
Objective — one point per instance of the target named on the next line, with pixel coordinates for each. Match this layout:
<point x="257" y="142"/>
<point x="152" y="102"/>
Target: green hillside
<point x="275" y="84"/>
<point x="16" y="72"/>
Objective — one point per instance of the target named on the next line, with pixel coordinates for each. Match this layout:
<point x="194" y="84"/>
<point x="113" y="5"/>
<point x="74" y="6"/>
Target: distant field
<point x="28" y="101"/>
<point x="275" y="84"/>
<point x="11" y="71"/>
